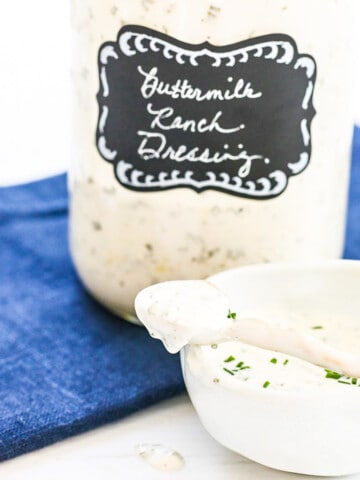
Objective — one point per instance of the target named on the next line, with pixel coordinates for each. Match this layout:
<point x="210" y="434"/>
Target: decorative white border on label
<point x="283" y="51"/>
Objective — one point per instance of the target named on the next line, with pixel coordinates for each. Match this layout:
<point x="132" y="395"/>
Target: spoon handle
<point x="292" y="341"/>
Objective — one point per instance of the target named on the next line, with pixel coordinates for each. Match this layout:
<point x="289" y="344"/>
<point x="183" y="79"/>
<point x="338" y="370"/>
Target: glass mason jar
<point x="208" y="134"/>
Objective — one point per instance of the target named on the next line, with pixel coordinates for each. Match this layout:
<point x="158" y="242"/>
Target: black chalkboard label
<point x="234" y="118"/>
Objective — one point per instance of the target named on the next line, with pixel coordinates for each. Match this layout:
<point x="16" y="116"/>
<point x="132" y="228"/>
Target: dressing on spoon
<point x="197" y="312"/>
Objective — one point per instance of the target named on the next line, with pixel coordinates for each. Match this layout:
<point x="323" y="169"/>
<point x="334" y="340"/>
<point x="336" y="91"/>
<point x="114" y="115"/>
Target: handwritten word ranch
<point x="154" y="146"/>
<point x="164" y="119"/>
<point x="182" y="89"/>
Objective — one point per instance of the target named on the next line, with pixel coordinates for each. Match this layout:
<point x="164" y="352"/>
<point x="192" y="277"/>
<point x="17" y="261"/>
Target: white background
<point x="35" y="100"/>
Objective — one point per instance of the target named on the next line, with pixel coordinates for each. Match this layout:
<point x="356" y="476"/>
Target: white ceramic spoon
<point x="196" y="312"/>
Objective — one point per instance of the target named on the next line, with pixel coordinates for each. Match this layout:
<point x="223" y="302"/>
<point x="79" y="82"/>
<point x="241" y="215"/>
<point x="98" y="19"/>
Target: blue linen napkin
<point x="66" y="364"/>
<point x="352" y="245"/>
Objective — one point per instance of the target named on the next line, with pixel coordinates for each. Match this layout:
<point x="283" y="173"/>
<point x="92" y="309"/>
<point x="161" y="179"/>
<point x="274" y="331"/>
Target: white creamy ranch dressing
<point x="181" y="313"/>
<point x="123" y="240"/>
<point x="242" y="365"/>
<point x="160" y="457"/>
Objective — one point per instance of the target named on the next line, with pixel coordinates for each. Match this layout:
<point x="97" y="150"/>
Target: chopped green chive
<point x="286" y="362"/>
<point x="273" y="360"/>
<point x="334" y="375"/>
<point x="228" y="371"/>
<point x="229" y="359"/>
<point x="214" y="346"/>
<point x="266" y="384"/>
<point x="341" y="378"/>
<point x="231" y="314"/>
<point x="317" y="327"/>
<point x="216" y="380"/>
<point x="242" y="366"/>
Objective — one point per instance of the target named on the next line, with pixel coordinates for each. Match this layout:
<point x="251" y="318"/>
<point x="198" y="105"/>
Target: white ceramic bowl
<point x="313" y="431"/>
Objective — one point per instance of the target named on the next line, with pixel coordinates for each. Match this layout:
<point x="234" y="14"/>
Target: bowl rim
<point x="346" y="265"/>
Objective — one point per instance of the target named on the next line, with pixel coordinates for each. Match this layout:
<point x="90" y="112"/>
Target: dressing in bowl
<point x="272" y="407"/>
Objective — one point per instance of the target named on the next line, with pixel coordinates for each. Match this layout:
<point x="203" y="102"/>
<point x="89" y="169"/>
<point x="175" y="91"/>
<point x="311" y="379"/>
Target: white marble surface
<point x="35" y="89"/>
<point x="108" y="453"/>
